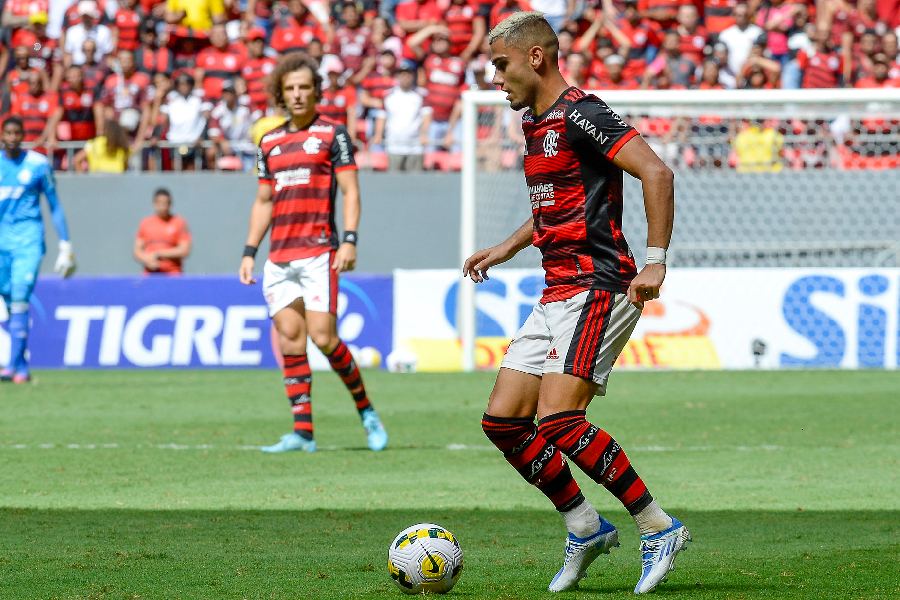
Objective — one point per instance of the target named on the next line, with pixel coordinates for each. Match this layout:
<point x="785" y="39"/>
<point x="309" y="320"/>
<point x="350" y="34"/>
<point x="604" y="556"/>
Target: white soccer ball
<point x="402" y="360"/>
<point x="368" y="358"/>
<point x="425" y="558"/>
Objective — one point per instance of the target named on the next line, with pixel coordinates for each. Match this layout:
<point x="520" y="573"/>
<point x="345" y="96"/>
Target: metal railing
<point x="150" y="158"/>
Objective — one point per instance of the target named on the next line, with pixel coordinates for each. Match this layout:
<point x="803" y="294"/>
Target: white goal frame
<point x="618" y="100"/>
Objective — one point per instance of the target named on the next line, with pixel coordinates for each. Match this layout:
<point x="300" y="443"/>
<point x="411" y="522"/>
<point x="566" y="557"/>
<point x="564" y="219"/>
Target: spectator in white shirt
<point x="229" y="127"/>
<point x="740" y="37"/>
<point x="184" y="114"/>
<point x="88" y="28"/>
<point x="404" y="125"/>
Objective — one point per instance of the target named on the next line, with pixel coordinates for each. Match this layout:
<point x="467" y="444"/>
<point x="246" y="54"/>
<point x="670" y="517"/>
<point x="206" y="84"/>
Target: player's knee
<point x="326" y="341"/>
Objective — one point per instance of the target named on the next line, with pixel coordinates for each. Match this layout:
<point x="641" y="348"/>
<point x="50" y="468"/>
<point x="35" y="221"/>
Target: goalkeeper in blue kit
<point x="24" y="176"/>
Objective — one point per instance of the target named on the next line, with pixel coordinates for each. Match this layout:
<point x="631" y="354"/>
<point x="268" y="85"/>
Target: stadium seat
<point x="229" y="163"/>
<point x="456" y="161"/>
<point x="362" y="159"/>
<point x="854" y="161"/>
<point x="438" y="161"/>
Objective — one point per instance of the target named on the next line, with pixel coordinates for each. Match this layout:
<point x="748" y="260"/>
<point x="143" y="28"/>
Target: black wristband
<point x="250" y="251"/>
<point x="350" y="237"/>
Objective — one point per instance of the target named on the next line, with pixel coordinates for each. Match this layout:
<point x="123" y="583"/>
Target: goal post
<point x="763" y="178"/>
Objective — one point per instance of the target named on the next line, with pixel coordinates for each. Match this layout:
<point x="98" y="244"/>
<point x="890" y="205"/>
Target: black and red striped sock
<point x="536" y="460"/>
<point x="598" y="455"/>
<point x="298" y="384"/>
<point x="343" y="364"/>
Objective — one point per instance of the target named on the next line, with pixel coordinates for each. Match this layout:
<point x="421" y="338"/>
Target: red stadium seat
<point x="854" y="161"/>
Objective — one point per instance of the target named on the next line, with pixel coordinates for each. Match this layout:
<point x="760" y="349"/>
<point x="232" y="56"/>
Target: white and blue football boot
<point x="581" y="552"/>
<point x="375" y="432"/>
<point x="291" y="441"/>
<point x="658" y="551"/>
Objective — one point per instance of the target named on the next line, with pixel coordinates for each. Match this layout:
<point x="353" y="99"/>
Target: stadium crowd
<point x="182" y="83"/>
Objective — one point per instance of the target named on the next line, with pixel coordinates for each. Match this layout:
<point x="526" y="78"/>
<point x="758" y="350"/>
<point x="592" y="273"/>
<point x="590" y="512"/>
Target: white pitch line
<point x="452" y="447"/>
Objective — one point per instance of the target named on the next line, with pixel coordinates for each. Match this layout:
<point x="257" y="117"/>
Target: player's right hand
<point x="476" y="266"/>
<point x="65" y="261"/>
<point x="246" y="270"/>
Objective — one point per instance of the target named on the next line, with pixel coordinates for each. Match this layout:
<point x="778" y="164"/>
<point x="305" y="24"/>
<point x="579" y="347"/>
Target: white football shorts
<point x="312" y="279"/>
<point x="581" y="336"/>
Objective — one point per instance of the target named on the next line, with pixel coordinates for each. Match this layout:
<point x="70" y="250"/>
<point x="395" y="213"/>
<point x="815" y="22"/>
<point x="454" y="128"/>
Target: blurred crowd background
<point x="181" y="84"/>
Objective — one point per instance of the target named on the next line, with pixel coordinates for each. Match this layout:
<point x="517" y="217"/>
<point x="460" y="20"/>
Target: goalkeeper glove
<point x="65" y="262"/>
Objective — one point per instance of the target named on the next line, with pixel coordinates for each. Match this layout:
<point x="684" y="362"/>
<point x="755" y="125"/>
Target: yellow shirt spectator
<point x="100" y="160"/>
<point x="758" y="150"/>
<point x="199" y="14"/>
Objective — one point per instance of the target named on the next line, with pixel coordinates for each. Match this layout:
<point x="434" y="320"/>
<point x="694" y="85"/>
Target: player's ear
<point x="536" y="57"/>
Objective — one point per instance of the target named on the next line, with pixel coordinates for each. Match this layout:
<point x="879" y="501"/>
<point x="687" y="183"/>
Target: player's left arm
<point x="658" y="183"/>
<point x="345" y="172"/>
<point x="65" y="261"/>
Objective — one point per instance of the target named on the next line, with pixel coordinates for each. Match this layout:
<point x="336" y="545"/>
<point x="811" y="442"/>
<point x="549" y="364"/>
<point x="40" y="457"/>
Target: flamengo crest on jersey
<point x="575" y="191"/>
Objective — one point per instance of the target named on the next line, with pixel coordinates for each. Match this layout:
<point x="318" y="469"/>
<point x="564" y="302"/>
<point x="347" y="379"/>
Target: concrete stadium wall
<point x="412" y="221"/>
<point x="408" y="221"/>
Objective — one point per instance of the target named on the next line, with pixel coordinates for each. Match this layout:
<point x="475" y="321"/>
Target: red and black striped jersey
<point x="353" y="46"/>
<point x="127" y="24"/>
<point x="288" y="35"/>
<point x="78" y="111"/>
<point x="576" y="195"/>
<point x="820" y="70"/>
<point x="692" y="44"/>
<point x="445" y="78"/>
<point x="35" y="111"/>
<point x="378" y="84"/>
<point x="302" y="166"/>
<point x="45" y="51"/>
<point x="333" y="104"/>
<point x="717" y="14"/>
<point x="154" y="60"/>
<point x="255" y="73"/>
<point x="17" y="83"/>
<point x="94" y="75"/>
<point x="218" y="66"/>
<point x="459" y="21"/>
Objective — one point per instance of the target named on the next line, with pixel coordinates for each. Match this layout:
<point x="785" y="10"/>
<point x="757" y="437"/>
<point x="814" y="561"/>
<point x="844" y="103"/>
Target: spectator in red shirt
<point x="644" y="35"/>
<point x="353" y="43"/>
<point x="759" y="72"/>
<point x="879" y="77"/>
<point x="126" y="98"/>
<point x="504" y="8"/>
<point x="377" y="84"/>
<point x="76" y="107"/>
<point x="663" y="12"/>
<point x="821" y="66"/>
<point x="863" y="54"/>
<point x="338" y="101"/>
<point x="18" y="13"/>
<point x="163" y="240"/>
<point x="92" y="72"/>
<point x="709" y="79"/>
<point x="36" y="106"/>
<point x="444" y="79"/>
<point x="414" y="15"/>
<point x="45" y="52"/>
<point x="576" y="71"/>
<point x="126" y="30"/>
<point x="717" y="15"/>
<point x="16" y="81"/>
<point x="693" y="36"/>
<point x="889" y="49"/>
<point x="681" y="69"/>
<point x="295" y="30"/>
<point x="257" y="68"/>
<point x="467" y="29"/>
<point x="219" y="62"/>
<point x="615" y="79"/>
<point x="149" y="57"/>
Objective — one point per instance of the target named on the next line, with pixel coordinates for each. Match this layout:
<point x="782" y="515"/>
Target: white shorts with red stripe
<point x="581" y="336"/>
<point x="312" y="279"/>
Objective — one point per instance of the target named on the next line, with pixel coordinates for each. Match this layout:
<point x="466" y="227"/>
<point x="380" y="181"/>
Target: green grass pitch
<point x="148" y="485"/>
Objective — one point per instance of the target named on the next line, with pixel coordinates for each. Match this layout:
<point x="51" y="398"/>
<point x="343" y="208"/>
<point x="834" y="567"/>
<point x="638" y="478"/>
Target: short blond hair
<point x="526" y="29"/>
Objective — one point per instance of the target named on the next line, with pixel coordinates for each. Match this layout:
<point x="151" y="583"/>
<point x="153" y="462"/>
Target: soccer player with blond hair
<point x="301" y="164"/>
<point x="576" y="150"/>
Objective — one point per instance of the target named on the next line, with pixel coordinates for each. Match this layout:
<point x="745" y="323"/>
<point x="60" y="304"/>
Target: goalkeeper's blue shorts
<point x="18" y="272"/>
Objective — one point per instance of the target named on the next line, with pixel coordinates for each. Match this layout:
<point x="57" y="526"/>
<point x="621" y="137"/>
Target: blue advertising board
<point x="189" y="321"/>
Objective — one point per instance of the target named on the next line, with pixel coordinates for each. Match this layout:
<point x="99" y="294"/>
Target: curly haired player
<point x="301" y="163"/>
<point x="576" y="149"/>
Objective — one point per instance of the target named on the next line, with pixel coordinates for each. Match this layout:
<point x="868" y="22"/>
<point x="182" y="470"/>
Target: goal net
<point x="764" y="178"/>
